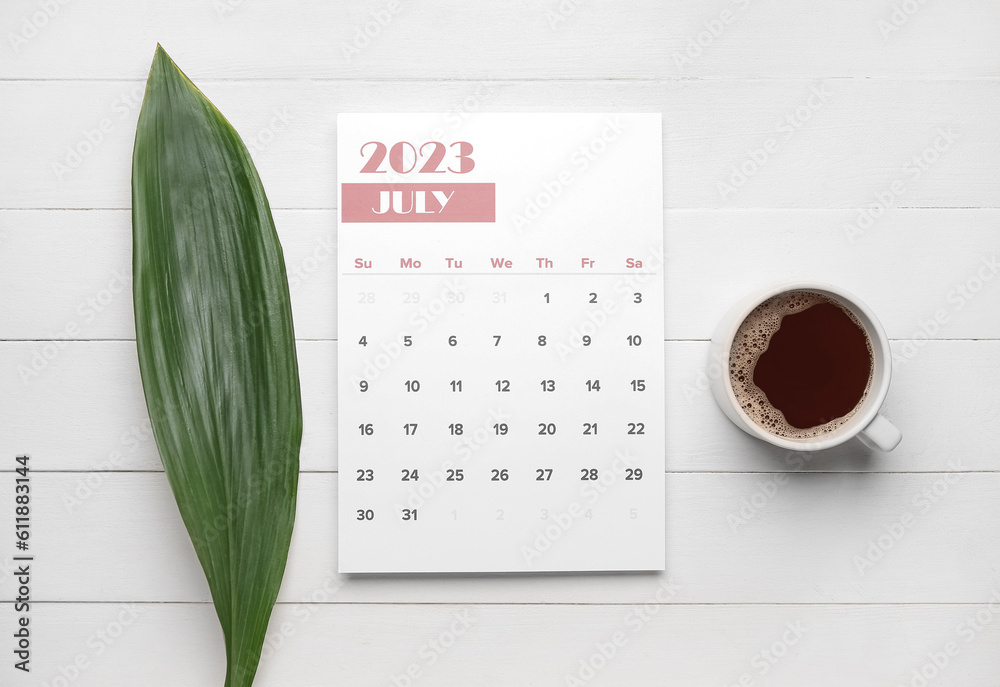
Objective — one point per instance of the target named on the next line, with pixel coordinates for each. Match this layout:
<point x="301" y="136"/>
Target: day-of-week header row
<point x="500" y="263"/>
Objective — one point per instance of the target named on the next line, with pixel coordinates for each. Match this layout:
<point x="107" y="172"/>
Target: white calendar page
<point x="501" y="391"/>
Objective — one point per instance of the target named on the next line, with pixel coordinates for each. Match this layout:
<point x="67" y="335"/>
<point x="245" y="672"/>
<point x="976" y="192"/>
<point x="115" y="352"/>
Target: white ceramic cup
<point x="871" y="428"/>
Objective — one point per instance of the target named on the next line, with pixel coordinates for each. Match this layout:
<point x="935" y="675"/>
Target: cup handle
<point x="880" y="434"/>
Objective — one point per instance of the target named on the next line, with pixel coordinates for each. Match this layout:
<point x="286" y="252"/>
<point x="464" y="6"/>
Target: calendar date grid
<point x="451" y="474"/>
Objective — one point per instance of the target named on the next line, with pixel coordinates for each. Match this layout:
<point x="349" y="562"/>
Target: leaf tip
<point x="165" y="70"/>
<point x="161" y="60"/>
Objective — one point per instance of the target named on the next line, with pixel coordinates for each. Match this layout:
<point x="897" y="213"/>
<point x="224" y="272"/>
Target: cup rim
<point x="880" y="345"/>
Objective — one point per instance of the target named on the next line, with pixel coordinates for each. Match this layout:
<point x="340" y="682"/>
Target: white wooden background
<point x="763" y="583"/>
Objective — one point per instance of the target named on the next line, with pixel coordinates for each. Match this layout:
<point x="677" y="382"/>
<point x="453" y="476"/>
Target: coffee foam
<point x="752" y="339"/>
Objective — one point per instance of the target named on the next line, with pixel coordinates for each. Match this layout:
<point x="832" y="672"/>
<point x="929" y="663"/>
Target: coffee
<point x="801" y="364"/>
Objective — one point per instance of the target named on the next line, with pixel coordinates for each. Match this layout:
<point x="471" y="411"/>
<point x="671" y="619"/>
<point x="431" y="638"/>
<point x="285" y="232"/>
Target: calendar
<point x="500" y="343"/>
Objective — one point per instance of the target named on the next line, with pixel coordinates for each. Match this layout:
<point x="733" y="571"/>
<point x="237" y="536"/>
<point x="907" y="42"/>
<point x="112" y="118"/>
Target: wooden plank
<point x="90" y="403"/>
<point x="943" y="396"/>
<point x="65" y="274"/>
<point x="315" y="644"/>
<point x="925" y="273"/>
<point x="448" y="39"/>
<point x="731" y="538"/>
<point x="828" y="143"/>
<point x="68" y="275"/>
<point x="928" y="378"/>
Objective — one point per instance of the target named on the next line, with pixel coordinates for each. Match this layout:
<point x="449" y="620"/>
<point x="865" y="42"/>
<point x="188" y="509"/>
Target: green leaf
<point x="213" y="328"/>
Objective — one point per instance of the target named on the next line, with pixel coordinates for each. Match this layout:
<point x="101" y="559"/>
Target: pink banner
<point x="418" y="202"/>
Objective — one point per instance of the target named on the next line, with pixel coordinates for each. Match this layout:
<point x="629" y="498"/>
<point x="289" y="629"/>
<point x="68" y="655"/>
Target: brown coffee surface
<point x="801" y="364"/>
